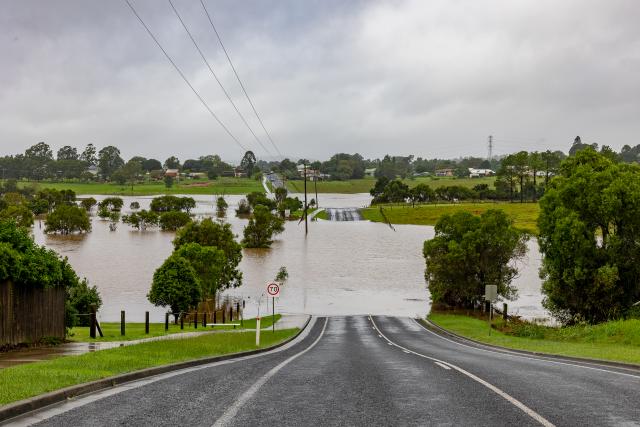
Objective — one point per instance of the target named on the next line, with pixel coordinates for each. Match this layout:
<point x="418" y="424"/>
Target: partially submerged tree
<point x="172" y="221"/>
<point x="142" y="219"/>
<point x="469" y="252"/>
<point x="67" y="219"/>
<point x="261" y="228"/>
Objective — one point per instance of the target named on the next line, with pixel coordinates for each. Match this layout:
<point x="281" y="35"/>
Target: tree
<point x="588" y="237"/>
<point x="168" y="181"/>
<point x="67" y="219"/>
<point x="173" y="220"/>
<point x="113" y="204"/>
<point x="172" y="203"/>
<point x="248" y="162"/>
<point x="210" y="233"/>
<point x="280" y="194"/>
<point x="261" y="228"/>
<point x="536" y="163"/>
<point x="142" y="219"/>
<point x="151" y="165"/>
<point x="67" y="153"/>
<point x="89" y="155"/>
<point x="256" y="198"/>
<point x="176" y="285"/>
<point x="208" y="263"/>
<point x="172" y="163"/>
<point x="379" y="186"/>
<point x="421" y="193"/>
<point x="80" y="297"/>
<point x="88" y="203"/>
<point x="21" y="214"/>
<point x="109" y="161"/>
<point x="221" y="206"/>
<point x="37" y="160"/>
<point x="282" y="275"/>
<point x="129" y="172"/>
<point x="469" y="252"/>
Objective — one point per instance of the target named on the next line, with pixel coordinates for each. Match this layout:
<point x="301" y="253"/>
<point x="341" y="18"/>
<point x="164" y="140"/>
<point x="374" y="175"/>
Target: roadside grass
<point x="524" y="215"/>
<point x="135" y="331"/>
<point x="24" y="381"/>
<point x="222" y="185"/>
<point x="615" y="340"/>
<point x="365" y="184"/>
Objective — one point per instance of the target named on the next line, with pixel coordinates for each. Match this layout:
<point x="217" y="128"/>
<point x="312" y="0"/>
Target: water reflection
<point x="339" y="268"/>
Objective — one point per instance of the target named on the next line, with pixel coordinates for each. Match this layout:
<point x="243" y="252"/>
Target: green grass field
<point x="364" y="185"/>
<point x="135" y="331"/>
<point x="524" y="215"/>
<point x="615" y="340"/>
<point x="221" y="185"/>
<point x="23" y="381"/>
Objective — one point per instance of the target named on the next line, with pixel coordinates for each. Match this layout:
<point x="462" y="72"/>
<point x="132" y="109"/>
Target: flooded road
<point x="352" y="267"/>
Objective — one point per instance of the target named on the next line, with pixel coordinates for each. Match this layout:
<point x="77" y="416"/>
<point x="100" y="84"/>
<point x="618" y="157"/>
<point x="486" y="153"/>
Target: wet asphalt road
<point x="362" y="371"/>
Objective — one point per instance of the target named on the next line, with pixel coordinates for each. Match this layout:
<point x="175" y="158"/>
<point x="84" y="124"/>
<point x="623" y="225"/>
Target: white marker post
<point x="258" y="331"/>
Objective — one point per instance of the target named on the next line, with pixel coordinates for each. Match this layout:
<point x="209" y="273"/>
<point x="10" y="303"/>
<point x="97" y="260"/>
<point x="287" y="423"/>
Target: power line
<point x="216" y="77"/>
<point x="184" y="78"/>
<point x="239" y="80"/>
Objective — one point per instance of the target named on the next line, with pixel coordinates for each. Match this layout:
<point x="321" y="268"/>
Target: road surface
<point x="368" y="371"/>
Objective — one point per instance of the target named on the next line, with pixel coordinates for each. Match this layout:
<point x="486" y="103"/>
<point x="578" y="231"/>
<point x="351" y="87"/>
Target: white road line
<point x="31" y="418"/>
<point x="442" y="365"/>
<point x="228" y="417"/>
<point x="522" y="356"/>
<point x="533" y="414"/>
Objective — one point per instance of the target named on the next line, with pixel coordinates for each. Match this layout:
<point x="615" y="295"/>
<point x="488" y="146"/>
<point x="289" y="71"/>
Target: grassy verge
<point x="135" y="331"/>
<point x="524" y="215"/>
<point x="221" y="185"/>
<point x="21" y="382"/>
<point x="365" y="184"/>
<point x="616" y="340"/>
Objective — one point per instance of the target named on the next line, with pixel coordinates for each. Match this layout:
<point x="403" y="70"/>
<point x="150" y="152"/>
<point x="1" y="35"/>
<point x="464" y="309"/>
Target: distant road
<point x="369" y="371"/>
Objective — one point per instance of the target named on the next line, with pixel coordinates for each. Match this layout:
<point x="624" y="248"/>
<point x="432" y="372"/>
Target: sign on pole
<point x="491" y="293"/>
<point x="273" y="289"/>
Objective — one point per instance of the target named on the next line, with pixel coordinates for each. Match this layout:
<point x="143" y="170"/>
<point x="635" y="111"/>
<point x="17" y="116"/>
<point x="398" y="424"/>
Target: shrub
<point x="67" y="219"/>
<point x="171" y="221"/>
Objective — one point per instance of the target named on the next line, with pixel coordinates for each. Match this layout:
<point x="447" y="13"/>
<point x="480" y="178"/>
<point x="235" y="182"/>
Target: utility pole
<point x="306" y="226"/>
<point x="315" y="184"/>
<point x="490" y="148"/>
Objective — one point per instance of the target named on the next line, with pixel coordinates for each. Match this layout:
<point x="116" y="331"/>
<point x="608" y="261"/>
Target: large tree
<point x="208" y="262"/>
<point x="109" y="161"/>
<point x="248" y="162"/>
<point x="589" y="227"/>
<point x="176" y="285"/>
<point x="67" y="219"/>
<point x="469" y="252"/>
<point x="89" y="155"/>
<point x="67" y="153"/>
<point x="210" y="233"/>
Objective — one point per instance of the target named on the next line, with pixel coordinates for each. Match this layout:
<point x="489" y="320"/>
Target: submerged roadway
<point x="367" y="371"/>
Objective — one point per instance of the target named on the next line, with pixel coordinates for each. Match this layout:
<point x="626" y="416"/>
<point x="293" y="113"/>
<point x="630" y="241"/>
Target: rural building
<point x="30" y="313"/>
<point x="239" y="173"/>
<point x="445" y="172"/>
<point x="173" y="173"/>
<point x="370" y="172"/>
<point x="476" y="173"/>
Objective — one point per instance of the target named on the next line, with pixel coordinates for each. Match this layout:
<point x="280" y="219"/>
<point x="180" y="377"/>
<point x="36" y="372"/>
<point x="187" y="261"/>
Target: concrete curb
<point x="22" y="407"/>
<point x="442" y="331"/>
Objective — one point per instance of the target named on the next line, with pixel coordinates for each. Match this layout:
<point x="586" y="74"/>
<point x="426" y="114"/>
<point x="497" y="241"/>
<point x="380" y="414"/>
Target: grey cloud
<point x="426" y="78"/>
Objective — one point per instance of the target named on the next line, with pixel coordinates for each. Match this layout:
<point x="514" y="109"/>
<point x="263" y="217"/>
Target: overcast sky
<point x="424" y="77"/>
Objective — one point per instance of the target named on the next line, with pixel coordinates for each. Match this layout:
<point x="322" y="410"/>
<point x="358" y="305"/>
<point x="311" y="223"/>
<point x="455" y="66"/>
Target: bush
<point x="88" y="203"/>
<point x="172" y="204"/>
<point x="261" y="228"/>
<point x="171" y="221"/>
<point x="134" y="205"/>
<point x="20" y="214"/>
<point x="243" y="208"/>
<point x="141" y="220"/>
<point x="80" y="296"/>
<point x="67" y="219"/>
<point x="176" y="285"/>
<point x="113" y="204"/>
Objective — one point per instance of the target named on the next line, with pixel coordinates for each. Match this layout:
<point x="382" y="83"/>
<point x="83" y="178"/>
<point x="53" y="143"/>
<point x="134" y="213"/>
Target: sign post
<point x="273" y="290"/>
<point x="491" y="295"/>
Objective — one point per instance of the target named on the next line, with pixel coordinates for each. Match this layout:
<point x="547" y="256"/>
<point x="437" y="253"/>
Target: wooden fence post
<point x="204" y="320"/>
<point x="166" y="322"/>
<point x="92" y="325"/>
<point x="122" y="331"/>
<point x="146" y="322"/>
<point x="195" y="320"/>
<point x="505" y="316"/>
<point x="181" y="320"/>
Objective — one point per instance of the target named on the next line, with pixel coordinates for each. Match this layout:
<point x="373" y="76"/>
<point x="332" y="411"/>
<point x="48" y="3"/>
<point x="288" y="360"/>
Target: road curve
<point x="369" y="371"/>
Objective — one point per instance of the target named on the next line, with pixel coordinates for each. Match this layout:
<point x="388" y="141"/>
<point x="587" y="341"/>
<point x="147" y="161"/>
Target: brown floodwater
<point x="339" y="268"/>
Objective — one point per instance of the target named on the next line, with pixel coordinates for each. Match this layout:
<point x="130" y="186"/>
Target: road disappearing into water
<point x="361" y="370"/>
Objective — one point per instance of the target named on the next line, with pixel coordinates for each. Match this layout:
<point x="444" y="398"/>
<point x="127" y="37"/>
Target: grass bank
<point x="223" y="185"/>
<point x="21" y="382"/>
<point x="616" y="340"/>
<point x="524" y="215"/>
<point x="365" y="184"/>
<point x="135" y="331"/>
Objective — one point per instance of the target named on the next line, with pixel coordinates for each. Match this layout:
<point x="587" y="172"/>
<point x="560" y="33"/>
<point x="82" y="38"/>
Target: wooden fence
<point x="28" y="313"/>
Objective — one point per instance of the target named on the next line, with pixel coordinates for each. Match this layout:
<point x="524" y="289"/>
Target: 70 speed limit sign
<point x="273" y="289"/>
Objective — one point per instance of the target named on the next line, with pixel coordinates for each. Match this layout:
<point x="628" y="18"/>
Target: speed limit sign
<point x="273" y="289"/>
